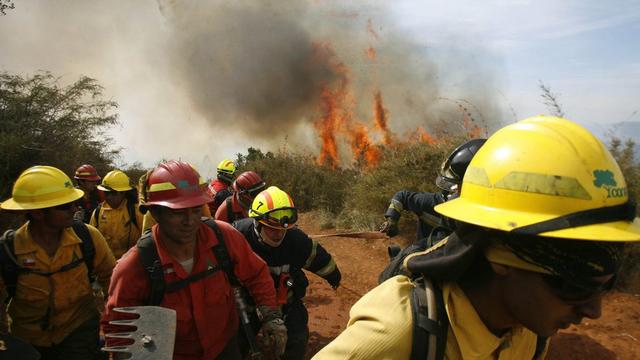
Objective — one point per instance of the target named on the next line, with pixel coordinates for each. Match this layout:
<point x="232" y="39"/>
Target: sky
<point x="204" y="80"/>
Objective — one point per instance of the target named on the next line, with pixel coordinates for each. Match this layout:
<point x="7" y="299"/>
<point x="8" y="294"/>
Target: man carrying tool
<point x="50" y="267"/>
<point x="220" y="187"/>
<point x="192" y="267"/>
<point x="430" y="223"/>
<point x="543" y="218"/>
<point x="245" y="188"/>
<point x="271" y="232"/>
<point x="87" y="179"/>
<point x="118" y="217"/>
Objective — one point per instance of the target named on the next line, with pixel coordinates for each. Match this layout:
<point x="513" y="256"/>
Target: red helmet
<point x="247" y="186"/>
<point x="86" y="172"/>
<point x="177" y="185"/>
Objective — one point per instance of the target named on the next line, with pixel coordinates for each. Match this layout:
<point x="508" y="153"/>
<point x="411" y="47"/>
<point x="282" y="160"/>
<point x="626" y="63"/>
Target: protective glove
<point x="273" y="329"/>
<point x="334" y="278"/>
<point x="390" y="227"/>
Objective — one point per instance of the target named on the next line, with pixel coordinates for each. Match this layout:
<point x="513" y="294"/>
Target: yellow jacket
<point x="114" y="224"/>
<point x="380" y="327"/>
<point x="67" y="295"/>
<point x="148" y="221"/>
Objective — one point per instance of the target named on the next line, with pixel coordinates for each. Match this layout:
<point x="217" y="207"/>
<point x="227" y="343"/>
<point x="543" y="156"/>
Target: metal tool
<point x="154" y="336"/>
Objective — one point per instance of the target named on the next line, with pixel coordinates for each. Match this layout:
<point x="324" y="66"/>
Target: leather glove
<point x="334" y="278"/>
<point x="390" y="227"/>
<point x="273" y="329"/>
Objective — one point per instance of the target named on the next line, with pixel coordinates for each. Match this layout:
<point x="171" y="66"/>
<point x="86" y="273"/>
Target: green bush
<point x="311" y="186"/>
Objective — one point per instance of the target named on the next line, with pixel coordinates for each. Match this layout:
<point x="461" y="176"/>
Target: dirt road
<point x="616" y="335"/>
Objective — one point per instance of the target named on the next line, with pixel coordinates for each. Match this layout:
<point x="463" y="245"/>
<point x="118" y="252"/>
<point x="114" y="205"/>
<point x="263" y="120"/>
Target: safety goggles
<point x="573" y="292"/>
<point x="282" y="223"/>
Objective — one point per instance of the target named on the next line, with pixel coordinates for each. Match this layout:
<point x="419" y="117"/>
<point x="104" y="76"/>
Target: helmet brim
<point x="506" y="220"/>
<point x="121" y="188"/>
<point x="72" y="195"/>
<point x="182" y="203"/>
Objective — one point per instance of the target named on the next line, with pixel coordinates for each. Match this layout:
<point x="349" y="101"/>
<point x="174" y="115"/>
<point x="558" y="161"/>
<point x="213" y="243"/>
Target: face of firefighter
<point x="87" y="186"/>
<point x="179" y="226"/>
<point x="272" y="236"/>
<point x="57" y="217"/>
<point x="536" y="305"/>
<point x="114" y="198"/>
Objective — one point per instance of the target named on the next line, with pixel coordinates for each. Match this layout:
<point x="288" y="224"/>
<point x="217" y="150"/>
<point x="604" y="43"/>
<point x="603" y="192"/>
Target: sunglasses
<point x="573" y="292"/>
<point x="111" y="193"/>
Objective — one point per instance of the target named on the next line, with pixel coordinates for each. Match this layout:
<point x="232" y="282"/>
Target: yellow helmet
<point x="115" y="180"/>
<point x="546" y="176"/>
<point x="226" y="170"/>
<point x="41" y="187"/>
<point x="274" y="208"/>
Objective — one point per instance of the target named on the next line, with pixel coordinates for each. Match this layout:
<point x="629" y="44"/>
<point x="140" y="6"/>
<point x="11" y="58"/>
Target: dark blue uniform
<point x="421" y="204"/>
<point x="296" y="252"/>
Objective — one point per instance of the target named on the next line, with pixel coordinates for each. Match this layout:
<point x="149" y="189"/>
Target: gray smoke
<point x="196" y="78"/>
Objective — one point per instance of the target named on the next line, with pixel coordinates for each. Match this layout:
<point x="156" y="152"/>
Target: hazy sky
<point x="211" y="78"/>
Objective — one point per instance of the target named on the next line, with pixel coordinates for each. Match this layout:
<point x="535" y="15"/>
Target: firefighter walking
<point x="272" y="234"/>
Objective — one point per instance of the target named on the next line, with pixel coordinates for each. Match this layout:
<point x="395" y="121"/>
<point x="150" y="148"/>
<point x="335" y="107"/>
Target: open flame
<point x="337" y="120"/>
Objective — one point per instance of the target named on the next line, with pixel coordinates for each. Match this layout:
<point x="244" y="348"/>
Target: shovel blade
<point x="155" y="333"/>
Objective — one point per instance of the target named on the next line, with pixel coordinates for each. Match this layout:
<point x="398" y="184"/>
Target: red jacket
<point x="219" y="190"/>
<point x="206" y="309"/>
<point x="237" y="211"/>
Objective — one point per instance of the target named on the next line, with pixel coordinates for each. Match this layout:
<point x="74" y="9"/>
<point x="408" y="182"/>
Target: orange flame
<point x="362" y="146"/>
<point x="333" y="108"/>
<point x="380" y="117"/>
<point x="371" y="53"/>
<point x="422" y="135"/>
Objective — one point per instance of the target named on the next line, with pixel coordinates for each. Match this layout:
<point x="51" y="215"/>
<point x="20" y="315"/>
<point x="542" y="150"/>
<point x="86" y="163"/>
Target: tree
<point x="42" y="122"/>
<point x="6" y="5"/>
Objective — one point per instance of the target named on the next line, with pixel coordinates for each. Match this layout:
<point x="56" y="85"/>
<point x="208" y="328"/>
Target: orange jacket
<point x="237" y="211"/>
<point x="206" y="309"/>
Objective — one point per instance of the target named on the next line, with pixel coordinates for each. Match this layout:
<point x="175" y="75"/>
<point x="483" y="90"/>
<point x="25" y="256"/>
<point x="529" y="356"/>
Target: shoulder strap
<point x="152" y="265"/>
<point x="131" y="207"/>
<point x="221" y="253"/>
<point x="429" y="325"/>
<point x="230" y="216"/>
<point x="87" y="247"/>
<point x="9" y="266"/>
<point x="541" y="345"/>
<point x="96" y="214"/>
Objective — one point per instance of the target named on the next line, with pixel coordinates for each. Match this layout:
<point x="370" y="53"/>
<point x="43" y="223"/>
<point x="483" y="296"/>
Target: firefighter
<point x="87" y="180"/>
<point x="118" y="217"/>
<point x="51" y="267"/>
<point x="272" y="234"/>
<point x="220" y="187"/>
<point x="245" y="188"/>
<point x="544" y="216"/>
<point x="194" y="276"/>
<point x="431" y="225"/>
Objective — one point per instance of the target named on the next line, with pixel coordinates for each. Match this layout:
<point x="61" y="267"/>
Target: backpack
<point x="430" y="330"/>
<point x="151" y="263"/>
<point x="131" y="209"/>
<point x="11" y="269"/>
